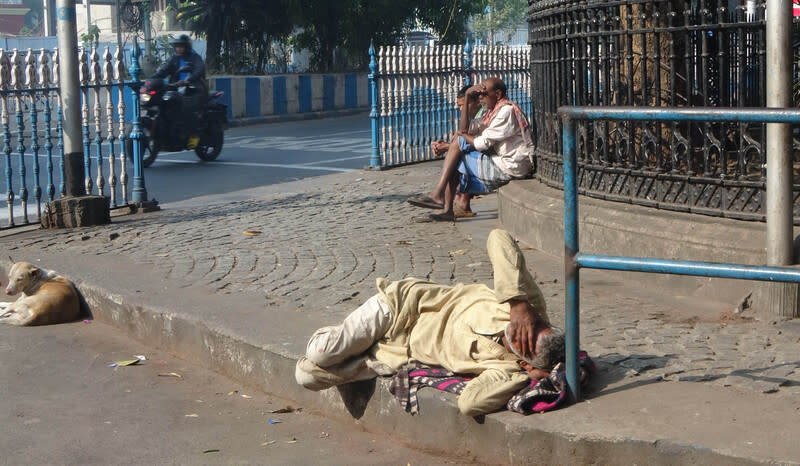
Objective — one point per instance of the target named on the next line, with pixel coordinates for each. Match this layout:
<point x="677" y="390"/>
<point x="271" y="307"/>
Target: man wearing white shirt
<point x="480" y="164"/>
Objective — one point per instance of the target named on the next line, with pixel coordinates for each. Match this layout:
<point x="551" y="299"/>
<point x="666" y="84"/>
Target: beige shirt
<point x="452" y="326"/>
<point x="504" y="137"/>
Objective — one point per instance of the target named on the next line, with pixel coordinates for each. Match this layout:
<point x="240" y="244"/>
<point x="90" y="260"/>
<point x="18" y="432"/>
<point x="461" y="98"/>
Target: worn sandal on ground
<point x="461" y="213"/>
<point x="434" y="218"/>
<point x="425" y="201"/>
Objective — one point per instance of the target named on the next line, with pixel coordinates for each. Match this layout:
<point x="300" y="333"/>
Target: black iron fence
<point x="655" y="53"/>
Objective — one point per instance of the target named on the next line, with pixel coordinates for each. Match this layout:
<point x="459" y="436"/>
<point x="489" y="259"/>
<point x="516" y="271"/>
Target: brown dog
<point x="47" y="298"/>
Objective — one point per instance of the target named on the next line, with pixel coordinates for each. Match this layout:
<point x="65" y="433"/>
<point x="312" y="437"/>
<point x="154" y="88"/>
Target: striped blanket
<point x="539" y="396"/>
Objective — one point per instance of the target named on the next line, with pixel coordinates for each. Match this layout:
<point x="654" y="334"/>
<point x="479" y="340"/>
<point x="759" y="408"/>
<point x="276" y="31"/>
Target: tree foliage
<point x="500" y="15"/>
<point x="240" y="33"/>
<point x="247" y="28"/>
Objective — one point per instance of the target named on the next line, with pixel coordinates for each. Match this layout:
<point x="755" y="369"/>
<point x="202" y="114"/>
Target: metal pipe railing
<point x="574" y="260"/>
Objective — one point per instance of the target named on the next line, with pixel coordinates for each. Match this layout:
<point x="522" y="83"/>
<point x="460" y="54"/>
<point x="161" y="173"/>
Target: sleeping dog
<point x="47" y="298"/>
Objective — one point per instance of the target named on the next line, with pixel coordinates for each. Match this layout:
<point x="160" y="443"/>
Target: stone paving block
<point x="697" y="376"/>
<point x="751" y="384"/>
<point x="779" y="372"/>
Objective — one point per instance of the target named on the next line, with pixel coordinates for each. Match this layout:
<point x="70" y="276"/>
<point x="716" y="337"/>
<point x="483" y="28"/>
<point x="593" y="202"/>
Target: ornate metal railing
<point x="414" y="93"/>
<point x="32" y="136"/>
<point x="654" y="53"/>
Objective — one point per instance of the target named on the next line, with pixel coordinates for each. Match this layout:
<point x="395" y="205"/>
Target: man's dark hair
<point x="462" y="92"/>
<point x="499" y="85"/>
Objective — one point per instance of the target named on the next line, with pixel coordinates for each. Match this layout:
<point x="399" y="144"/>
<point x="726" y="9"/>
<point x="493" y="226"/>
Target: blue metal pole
<point x="23" y="189"/>
<point x="37" y="189"/>
<point x="139" y="192"/>
<point x="698" y="269"/>
<point x="48" y="147"/>
<point x="62" y="185"/>
<point x="571" y="269"/>
<point x="375" y="159"/>
<point x="9" y="171"/>
<point x="708" y="114"/>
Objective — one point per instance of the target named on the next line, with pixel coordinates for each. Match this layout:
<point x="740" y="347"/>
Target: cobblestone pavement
<point x="325" y="241"/>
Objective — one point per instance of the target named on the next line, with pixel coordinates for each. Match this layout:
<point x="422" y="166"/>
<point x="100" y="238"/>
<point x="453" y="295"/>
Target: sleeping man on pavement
<point x="501" y="336"/>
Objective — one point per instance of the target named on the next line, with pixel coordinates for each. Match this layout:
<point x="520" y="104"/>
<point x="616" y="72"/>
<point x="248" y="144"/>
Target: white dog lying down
<point x="47" y="298"/>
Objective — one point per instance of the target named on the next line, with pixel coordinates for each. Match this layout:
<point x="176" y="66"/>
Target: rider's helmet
<point x="182" y="40"/>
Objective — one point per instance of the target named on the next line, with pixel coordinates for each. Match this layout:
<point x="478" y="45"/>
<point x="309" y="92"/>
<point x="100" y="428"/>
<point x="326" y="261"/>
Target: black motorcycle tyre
<point x="209" y="149"/>
<point x="149" y="149"/>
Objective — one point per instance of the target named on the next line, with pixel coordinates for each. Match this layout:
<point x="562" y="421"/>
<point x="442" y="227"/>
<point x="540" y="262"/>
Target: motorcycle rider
<point x="186" y="68"/>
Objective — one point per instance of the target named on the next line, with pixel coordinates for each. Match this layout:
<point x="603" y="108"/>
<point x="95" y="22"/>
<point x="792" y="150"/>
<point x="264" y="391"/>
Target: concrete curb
<point x="501" y="438"/>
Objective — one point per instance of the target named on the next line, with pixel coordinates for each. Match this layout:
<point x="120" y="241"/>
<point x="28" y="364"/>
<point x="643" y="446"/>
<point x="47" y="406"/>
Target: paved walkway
<point x="316" y="247"/>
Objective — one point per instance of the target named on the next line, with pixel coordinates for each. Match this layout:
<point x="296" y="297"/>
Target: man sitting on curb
<point x="483" y="163"/>
<point x="471" y="125"/>
<point x="467" y="329"/>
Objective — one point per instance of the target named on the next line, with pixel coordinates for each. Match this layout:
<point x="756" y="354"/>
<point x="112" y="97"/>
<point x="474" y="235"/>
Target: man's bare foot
<point x="460" y="212"/>
<point x="435" y="197"/>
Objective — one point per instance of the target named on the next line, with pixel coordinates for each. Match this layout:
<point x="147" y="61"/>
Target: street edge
<point x="486" y="439"/>
<point x="265" y="119"/>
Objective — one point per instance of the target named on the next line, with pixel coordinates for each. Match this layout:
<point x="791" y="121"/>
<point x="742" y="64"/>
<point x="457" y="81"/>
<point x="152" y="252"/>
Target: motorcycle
<point x="165" y="126"/>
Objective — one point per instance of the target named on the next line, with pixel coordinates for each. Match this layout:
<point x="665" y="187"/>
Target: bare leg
<point x="449" y="196"/>
<point x="462" y="200"/>
<point x="449" y="166"/>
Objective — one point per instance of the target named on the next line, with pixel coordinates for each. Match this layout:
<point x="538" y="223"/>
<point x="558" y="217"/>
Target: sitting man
<point x="467" y="329"/>
<point x="483" y="163"/>
<point x="469" y="123"/>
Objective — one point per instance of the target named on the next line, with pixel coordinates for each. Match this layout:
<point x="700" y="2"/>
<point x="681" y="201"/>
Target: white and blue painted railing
<point x="263" y="98"/>
<point x="32" y="133"/>
<point x="413" y="93"/>
<point x="574" y="260"/>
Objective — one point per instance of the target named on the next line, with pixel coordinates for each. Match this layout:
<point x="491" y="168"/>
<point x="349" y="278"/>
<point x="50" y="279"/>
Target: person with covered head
<point x="502" y="336"/>
<point x="187" y="70"/>
<point x="478" y="162"/>
<point x="185" y="67"/>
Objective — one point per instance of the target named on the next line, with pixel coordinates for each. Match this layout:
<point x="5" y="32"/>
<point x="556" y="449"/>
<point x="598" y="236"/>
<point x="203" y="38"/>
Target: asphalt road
<point x="61" y="403"/>
<point x="251" y="156"/>
<point x="264" y="154"/>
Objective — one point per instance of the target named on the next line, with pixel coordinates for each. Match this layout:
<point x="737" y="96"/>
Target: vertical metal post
<point x="571" y="269"/>
<point x="782" y="297"/>
<point x="779" y="149"/>
<point x="47" y="8"/>
<point x="139" y="193"/>
<point x="375" y="159"/>
<point x="70" y="97"/>
<point x="146" y="30"/>
<point x="118" y="23"/>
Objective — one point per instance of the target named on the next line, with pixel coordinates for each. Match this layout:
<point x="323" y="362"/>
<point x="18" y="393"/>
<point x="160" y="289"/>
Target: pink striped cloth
<point x="539" y="396"/>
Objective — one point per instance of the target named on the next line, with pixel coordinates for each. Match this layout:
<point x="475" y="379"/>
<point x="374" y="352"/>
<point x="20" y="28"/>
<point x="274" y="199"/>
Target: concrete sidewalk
<point x="680" y="381"/>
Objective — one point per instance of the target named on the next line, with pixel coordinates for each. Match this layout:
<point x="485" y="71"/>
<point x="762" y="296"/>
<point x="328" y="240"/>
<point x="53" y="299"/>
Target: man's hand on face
<point x="475" y="91"/>
<point x="533" y="372"/>
<point x="521" y="327"/>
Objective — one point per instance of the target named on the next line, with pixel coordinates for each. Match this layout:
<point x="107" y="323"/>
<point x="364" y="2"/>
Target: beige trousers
<point x="337" y="354"/>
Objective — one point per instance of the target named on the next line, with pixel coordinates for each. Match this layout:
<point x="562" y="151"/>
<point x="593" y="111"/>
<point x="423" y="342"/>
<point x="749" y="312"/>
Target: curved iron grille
<point x="654" y="53"/>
